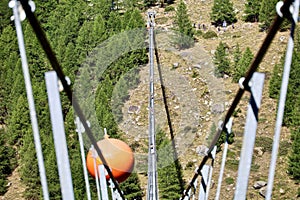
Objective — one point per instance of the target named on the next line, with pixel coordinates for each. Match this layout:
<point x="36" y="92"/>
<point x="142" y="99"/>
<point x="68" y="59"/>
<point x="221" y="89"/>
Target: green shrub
<point x="229" y="180"/>
<point x="198" y="33"/>
<point x="169" y="9"/>
<point x="209" y="34"/>
<point x="284" y="148"/>
<point x="264" y="142"/>
<point x="255" y="167"/>
<point x="232" y="165"/>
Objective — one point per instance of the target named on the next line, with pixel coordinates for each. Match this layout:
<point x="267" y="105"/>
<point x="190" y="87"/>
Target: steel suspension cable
<point x="152" y="188"/>
<point x="253" y="67"/>
<point x="40" y="34"/>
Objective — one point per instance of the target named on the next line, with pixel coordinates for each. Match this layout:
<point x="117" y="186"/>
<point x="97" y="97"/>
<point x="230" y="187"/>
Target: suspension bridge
<point x="199" y="185"/>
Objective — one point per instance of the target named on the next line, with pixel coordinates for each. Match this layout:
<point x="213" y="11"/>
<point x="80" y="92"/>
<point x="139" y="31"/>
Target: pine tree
<point x="99" y="32"/>
<point x="19" y="121"/>
<point x="294" y="158"/>
<point x="133" y="20"/>
<point x="293" y="87"/>
<point x="242" y="65"/>
<point x="222" y="10"/>
<point x="131" y="188"/>
<point x="29" y="168"/>
<point x="221" y="60"/>
<point x="275" y="81"/>
<point x="184" y="27"/>
<point x="237" y="54"/>
<point x="9" y="66"/>
<point x="169" y="178"/>
<point x="292" y="110"/>
<point x="252" y="8"/>
<point x="114" y="24"/>
<point x="5" y="14"/>
<point x="7" y="161"/>
<point x="267" y="13"/>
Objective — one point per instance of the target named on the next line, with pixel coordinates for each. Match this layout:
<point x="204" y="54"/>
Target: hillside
<point x="196" y="98"/>
<point x="245" y="35"/>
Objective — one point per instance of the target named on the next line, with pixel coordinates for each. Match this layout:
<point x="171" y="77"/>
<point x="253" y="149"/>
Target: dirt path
<point x="16" y="188"/>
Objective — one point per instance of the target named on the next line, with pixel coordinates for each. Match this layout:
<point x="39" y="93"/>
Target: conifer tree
<point x="275" y="81"/>
<point x="5" y="14"/>
<point x="184" y="27"/>
<point x="222" y="10"/>
<point x="294" y="158"/>
<point x="19" y="121"/>
<point x="237" y="54"/>
<point x="133" y="20"/>
<point x="267" y="13"/>
<point x="292" y="109"/>
<point x="169" y="187"/>
<point x="242" y="65"/>
<point x="7" y="161"/>
<point x="221" y="60"/>
<point x="252" y="8"/>
<point x="99" y="32"/>
<point x="114" y="24"/>
<point x="293" y="87"/>
<point x="131" y="187"/>
<point x="29" y="169"/>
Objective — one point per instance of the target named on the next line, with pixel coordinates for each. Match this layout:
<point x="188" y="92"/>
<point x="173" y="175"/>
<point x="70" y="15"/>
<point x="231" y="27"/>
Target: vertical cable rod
<point x="283" y="93"/>
<point x="224" y="156"/>
<point x="80" y="130"/>
<point x="33" y="117"/>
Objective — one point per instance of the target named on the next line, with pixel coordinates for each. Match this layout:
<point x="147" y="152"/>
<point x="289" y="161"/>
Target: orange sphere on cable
<point x="118" y="156"/>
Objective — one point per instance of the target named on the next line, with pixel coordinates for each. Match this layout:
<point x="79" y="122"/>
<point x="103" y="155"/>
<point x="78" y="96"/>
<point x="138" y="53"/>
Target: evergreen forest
<point x="75" y="29"/>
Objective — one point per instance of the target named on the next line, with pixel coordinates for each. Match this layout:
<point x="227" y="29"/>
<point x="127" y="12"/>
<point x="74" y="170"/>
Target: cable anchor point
<point x="21" y="11"/>
<point x="281" y="14"/>
<point x="242" y="86"/>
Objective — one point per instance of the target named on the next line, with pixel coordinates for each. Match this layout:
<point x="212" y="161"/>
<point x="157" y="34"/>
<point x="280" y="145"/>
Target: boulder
<point x="259" y="151"/>
<point x="217" y="108"/>
<point x="281" y="191"/>
<point x="201" y="150"/>
<point x="259" y="184"/>
<point x="263" y="191"/>
<point x="175" y="65"/>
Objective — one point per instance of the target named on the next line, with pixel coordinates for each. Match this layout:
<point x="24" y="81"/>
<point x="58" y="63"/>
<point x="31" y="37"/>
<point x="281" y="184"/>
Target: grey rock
<point x="175" y="65"/>
<point x="197" y="66"/>
<point x="282" y="191"/>
<point x="259" y="184"/>
<point x="259" y="151"/>
<point x="217" y="108"/>
<point x="185" y="54"/>
<point x="263" y="191"/>
<point x="201" y="150"/>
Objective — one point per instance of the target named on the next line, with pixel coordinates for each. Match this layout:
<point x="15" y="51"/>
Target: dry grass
<point x="246" y="35"/>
